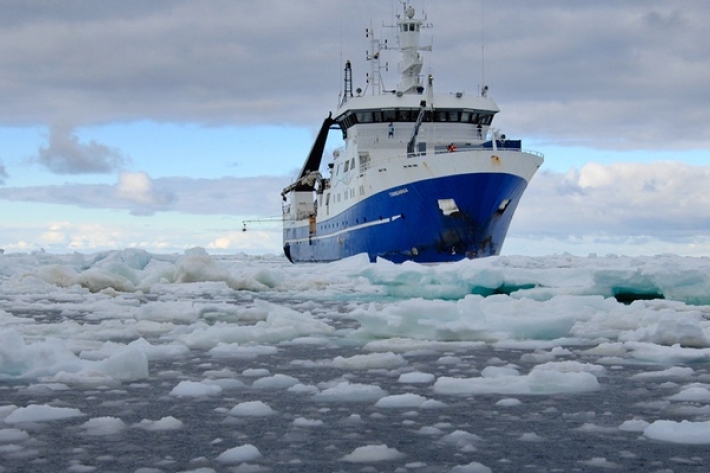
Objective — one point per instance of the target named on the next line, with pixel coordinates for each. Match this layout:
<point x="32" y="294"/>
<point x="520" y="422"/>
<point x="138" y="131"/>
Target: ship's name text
<point x="399" y="192"/>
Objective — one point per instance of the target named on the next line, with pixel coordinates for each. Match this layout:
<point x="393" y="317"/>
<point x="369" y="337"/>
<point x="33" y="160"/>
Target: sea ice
<point x="13" y="435"/>
<point x="686" y="432"/>
<point x="164" y="423"/>
<point x="241" y="454"/>
<point x="416" y="377"/>
<point x="41" y="413"/>
<point x="371" y="361"/>
<point x="195" y="389"/>
<point x="541" y="380"/>
<point x="692" y="394"/>
<point x="350" y="392"/>
<point x="98" y="426"/>
<point x="401" y="401"/>
<point x="373" y="453"/>
<point x="473" y="467"/>
<point x="348" y="354"/>
<point x="252" y="409"/>
<point x="303" y="422"/>
<point x="277" y="381"/>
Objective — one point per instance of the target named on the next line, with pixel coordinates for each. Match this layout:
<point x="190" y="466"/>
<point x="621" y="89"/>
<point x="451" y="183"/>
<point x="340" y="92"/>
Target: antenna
<point x="343" y="98"/>
<point x="483" y="46"/>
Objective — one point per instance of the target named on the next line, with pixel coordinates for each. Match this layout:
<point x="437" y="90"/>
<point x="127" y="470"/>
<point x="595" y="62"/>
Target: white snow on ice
<point x="373" y="453"/>
<point x="105" y="321"/>
<point x="40" y="413"/>
<point x="252" y="409"/>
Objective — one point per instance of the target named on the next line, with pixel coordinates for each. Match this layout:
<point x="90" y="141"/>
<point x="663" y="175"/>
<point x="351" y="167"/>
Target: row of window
<point x="344" y="224"/>
<point x="348" y="193"/>
<point x="349" y="165"/>
<point x="409" y="27"/>
<point x="410" y="115"/>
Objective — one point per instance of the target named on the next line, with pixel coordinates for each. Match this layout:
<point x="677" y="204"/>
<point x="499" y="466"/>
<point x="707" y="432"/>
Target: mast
<point x="348" y="85"/>
<point x="374" y="79"/>
<point x="410" y="67"/>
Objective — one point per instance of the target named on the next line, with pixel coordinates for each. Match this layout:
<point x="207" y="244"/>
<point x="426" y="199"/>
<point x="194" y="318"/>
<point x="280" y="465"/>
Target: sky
<point x="164" y="125"/>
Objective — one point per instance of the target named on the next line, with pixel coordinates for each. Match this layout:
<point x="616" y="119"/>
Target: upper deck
<point x="439" y="108"/>
<point x="458" y="100"/>
<point x="412" y="109"/>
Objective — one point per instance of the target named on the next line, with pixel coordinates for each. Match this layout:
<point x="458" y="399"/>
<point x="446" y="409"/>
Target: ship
<point x="421" y="175"/>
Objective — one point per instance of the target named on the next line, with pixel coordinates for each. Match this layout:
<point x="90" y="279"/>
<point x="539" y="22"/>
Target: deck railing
<point x="438" y="151"/>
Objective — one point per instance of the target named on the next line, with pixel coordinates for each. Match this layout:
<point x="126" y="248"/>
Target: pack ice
<point x="337" y="347"/>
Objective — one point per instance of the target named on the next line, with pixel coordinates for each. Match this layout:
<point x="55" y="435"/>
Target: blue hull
<point x="401" y="225"/>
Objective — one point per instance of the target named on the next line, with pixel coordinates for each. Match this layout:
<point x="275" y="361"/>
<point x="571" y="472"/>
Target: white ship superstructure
<point x="422" y="175"/>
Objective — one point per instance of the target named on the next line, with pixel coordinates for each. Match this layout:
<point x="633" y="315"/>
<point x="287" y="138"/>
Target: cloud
<point x="3" y="173"/>
<point x="601" y="74"/>
<point x="66" y="155"/>
<point x="176" y="61"/>
<point x="249" y="241"/>
<point x="623" y="207"/>
<point x="141" y="195"/>
<point x="65" y="236"/>
<point x="666" y="200"/>
<point x="137" y="188"/>
<point x="663" y="200"/>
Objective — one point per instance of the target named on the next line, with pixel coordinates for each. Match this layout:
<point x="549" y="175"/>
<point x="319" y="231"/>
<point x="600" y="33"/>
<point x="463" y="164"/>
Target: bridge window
<point x="485" y="119"/>
<point x="406" y="115"/>
<point x="364" y="117"/>
<point x="364" y="162"/>
<point x="410" y="115"/>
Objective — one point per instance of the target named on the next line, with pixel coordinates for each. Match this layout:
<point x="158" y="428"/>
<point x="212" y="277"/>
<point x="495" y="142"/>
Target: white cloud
<point x="248" y="241"/>
<point x="663" y="200"/>
<point x="137" y="188"/>
<point x="626" y="208"/>
<point x="141" y="195"/>
<point x="164" y="235"/>
<point x="64" y="236"/>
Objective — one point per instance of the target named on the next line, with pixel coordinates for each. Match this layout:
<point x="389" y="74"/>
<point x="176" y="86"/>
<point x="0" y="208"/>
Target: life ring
<point x="451" y="148"/>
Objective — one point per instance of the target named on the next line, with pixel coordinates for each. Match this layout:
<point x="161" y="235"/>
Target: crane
<point x="260" y="220"/>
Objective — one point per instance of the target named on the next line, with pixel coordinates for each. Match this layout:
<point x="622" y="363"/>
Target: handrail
<point x="400" y="158"/>
<point x="403" y="156"/>
<point x="446" y="150"/>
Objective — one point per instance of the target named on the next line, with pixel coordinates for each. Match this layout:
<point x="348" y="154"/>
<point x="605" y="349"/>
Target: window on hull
<point x="474" y="117"/>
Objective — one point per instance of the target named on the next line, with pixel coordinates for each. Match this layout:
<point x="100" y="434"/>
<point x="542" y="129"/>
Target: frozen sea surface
<point x="127" y="361"/>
